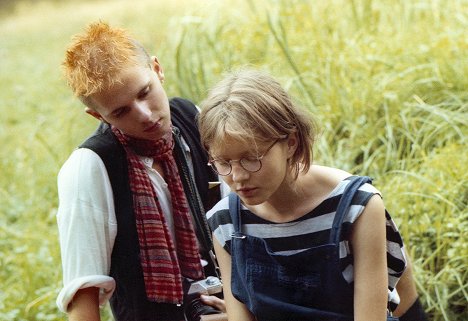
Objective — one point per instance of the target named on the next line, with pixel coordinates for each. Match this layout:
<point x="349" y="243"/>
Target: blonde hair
<point x="95" y="58"/>
<point x="250" y="105"/>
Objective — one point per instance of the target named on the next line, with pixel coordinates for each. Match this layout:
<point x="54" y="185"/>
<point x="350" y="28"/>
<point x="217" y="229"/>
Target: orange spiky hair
<point x="95" y="58"/>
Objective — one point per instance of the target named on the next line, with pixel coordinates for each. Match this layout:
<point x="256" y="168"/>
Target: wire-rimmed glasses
<point x="250" y="164"/>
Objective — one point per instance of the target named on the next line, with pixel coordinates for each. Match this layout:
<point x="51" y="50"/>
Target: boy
<point x="128" y="194"/>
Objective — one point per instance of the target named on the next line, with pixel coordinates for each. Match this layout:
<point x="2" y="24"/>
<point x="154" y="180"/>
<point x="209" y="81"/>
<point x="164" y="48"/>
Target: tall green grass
<point x="386" y="81"/>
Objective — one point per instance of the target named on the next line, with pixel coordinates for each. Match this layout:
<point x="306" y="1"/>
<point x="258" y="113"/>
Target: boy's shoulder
<point x="103" y="141"/>
<point x="184" y="114"/>
<point x="183" y="106"/>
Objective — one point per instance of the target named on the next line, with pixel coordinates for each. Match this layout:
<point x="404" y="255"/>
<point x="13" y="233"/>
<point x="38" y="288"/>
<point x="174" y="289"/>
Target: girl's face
<point x="255" y="188"/>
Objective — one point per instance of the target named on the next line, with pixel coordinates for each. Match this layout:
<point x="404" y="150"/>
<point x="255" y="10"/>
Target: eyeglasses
<point x="250" y="164"/>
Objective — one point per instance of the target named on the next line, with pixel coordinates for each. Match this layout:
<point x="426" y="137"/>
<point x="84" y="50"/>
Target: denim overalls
<point x="305" y="286"/>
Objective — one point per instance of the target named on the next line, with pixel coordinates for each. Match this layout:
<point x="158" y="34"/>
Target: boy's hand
<point x="213" y="301"/>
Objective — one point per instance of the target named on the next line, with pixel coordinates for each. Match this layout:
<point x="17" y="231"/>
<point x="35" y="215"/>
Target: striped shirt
<point x="313" y="229"/>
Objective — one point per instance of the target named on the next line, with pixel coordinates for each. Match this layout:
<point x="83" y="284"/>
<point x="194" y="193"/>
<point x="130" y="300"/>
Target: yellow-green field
<point x="387" y="81"/>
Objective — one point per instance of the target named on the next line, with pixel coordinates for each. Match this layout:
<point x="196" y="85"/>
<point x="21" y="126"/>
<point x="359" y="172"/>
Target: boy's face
<point x="137" y="105"/>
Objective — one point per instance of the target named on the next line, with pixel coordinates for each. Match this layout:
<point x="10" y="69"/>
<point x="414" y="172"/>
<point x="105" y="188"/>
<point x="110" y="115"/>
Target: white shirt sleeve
<point x="87" y="222"/>
<point x="87" y="226"/>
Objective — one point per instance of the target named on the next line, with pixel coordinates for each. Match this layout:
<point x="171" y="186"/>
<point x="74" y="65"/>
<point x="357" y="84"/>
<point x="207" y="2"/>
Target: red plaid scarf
<point x="163" y="266"/>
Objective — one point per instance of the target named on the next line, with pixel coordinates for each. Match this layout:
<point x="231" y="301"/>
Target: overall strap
<point x="234" y="211"/>
<point x="344" y="205"/>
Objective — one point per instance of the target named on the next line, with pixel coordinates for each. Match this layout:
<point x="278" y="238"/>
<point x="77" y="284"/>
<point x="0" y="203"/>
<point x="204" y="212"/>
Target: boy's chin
<point x="163" y="133"/>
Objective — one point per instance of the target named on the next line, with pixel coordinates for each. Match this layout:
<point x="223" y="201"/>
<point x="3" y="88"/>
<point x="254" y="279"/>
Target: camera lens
<point x="196" y="308"/>
<point x="212" y="280"/>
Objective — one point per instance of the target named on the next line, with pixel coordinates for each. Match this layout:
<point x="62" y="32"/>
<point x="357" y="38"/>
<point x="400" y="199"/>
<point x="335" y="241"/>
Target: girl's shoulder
<point x="334" y="178"/>
<point x="220" y="223"/>
<point x="219" y="210"/>
<point x="322" y="181"/>
<point x="329" y="175"/>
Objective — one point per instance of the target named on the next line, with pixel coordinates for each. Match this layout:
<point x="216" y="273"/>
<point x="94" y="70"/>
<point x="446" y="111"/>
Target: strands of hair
<point x="95" y="58"/>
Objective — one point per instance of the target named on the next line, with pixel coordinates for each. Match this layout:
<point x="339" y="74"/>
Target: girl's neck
<point x="296" y="198"/>
<point x="289" y="202"/>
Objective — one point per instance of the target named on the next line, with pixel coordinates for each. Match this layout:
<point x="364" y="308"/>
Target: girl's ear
<point x="292" y="144"/>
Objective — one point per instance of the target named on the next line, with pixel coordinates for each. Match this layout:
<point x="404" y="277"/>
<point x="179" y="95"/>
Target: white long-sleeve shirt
<point x="87" y="223"/>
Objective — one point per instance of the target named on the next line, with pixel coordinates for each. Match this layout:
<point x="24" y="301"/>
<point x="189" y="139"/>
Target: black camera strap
<point x="194" y="200"/>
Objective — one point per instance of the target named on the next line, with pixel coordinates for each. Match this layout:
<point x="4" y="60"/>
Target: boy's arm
<point x="87" y="229"/>
<point x="85" y="305"/>
<point x="368" y="241"/>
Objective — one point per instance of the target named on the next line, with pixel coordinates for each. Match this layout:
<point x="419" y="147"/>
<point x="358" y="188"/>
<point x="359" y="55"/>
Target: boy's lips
<point x="156" y="125"/>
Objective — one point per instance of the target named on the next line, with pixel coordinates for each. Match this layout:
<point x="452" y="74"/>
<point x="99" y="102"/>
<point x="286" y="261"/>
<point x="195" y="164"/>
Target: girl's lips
<point x="246" y="192"/>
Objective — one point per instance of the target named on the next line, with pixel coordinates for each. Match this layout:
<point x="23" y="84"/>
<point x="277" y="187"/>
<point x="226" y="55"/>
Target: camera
<point x="194" y="308"/>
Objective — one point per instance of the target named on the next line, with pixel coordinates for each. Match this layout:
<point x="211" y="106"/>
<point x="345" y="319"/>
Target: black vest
<point x="129" y="301"/>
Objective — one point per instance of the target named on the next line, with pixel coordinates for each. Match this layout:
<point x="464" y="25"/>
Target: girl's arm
<point x="406" y="288"/>
<point x="368" y="241"/>
<point x="236" y="310"/>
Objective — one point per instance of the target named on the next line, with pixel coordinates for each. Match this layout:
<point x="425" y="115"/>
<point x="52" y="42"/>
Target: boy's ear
<point x="93" y="113"/>
<point x="158" y="69"/>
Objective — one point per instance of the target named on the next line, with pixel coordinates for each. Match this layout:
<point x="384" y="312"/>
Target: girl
<point x="276" y="259"/>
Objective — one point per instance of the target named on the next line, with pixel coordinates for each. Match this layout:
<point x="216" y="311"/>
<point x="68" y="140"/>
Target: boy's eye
<point x="120" y="112"/>
<point x="144" y="93"/>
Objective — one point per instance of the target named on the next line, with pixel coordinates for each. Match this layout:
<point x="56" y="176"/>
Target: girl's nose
<point x="238" y="172"/>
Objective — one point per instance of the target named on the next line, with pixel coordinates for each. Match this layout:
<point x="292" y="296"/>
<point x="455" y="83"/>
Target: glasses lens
<point x="251" y="164"/>
<point x="221" y="167"/>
